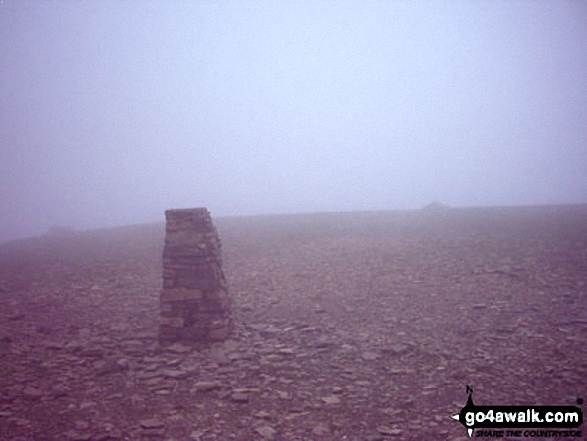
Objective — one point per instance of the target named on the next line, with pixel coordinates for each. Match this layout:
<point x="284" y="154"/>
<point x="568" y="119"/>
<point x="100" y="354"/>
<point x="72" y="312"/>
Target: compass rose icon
<point x="468" y="408"/>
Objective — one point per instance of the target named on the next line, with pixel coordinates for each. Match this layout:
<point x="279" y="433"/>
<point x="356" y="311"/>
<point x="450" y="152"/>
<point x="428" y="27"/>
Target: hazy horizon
<point x="112" y="112"/>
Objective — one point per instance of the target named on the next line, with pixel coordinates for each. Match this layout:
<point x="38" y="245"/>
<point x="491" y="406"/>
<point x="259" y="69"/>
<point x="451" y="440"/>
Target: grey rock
<point x="240" y="397"/>
<point x="152" y="423"/>
<point x="266" y="431"/>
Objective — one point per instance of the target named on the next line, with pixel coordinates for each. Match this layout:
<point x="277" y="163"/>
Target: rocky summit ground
<point x="357" y="326"/>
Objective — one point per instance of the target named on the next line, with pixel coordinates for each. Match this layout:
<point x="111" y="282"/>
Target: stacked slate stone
<point x="195" y="306"/>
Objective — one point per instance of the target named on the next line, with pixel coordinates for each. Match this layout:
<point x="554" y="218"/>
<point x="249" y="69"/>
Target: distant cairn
<point x="435" y="207"/>
<point x="195" y="306"/>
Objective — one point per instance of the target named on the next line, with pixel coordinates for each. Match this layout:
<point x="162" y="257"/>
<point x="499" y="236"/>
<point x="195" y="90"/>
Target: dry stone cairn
<point x="195" y="306"/>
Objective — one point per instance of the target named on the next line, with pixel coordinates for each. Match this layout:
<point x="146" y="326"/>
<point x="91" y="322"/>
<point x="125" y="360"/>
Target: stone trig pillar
<point x="195" y="306"/>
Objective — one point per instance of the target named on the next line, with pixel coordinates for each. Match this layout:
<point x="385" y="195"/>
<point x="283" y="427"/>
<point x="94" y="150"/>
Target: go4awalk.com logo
<point x="520" y="421"/>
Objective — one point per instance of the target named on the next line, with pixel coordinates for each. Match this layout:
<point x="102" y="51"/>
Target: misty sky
<point x="113" y="111"/>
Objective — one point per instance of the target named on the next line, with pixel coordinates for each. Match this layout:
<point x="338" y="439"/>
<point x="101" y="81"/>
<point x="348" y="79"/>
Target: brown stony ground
<point x="363" y="326"/>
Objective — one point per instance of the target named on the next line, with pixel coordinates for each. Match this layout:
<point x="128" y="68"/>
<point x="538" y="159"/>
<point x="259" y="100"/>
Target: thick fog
<point x="113" y="111"/>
